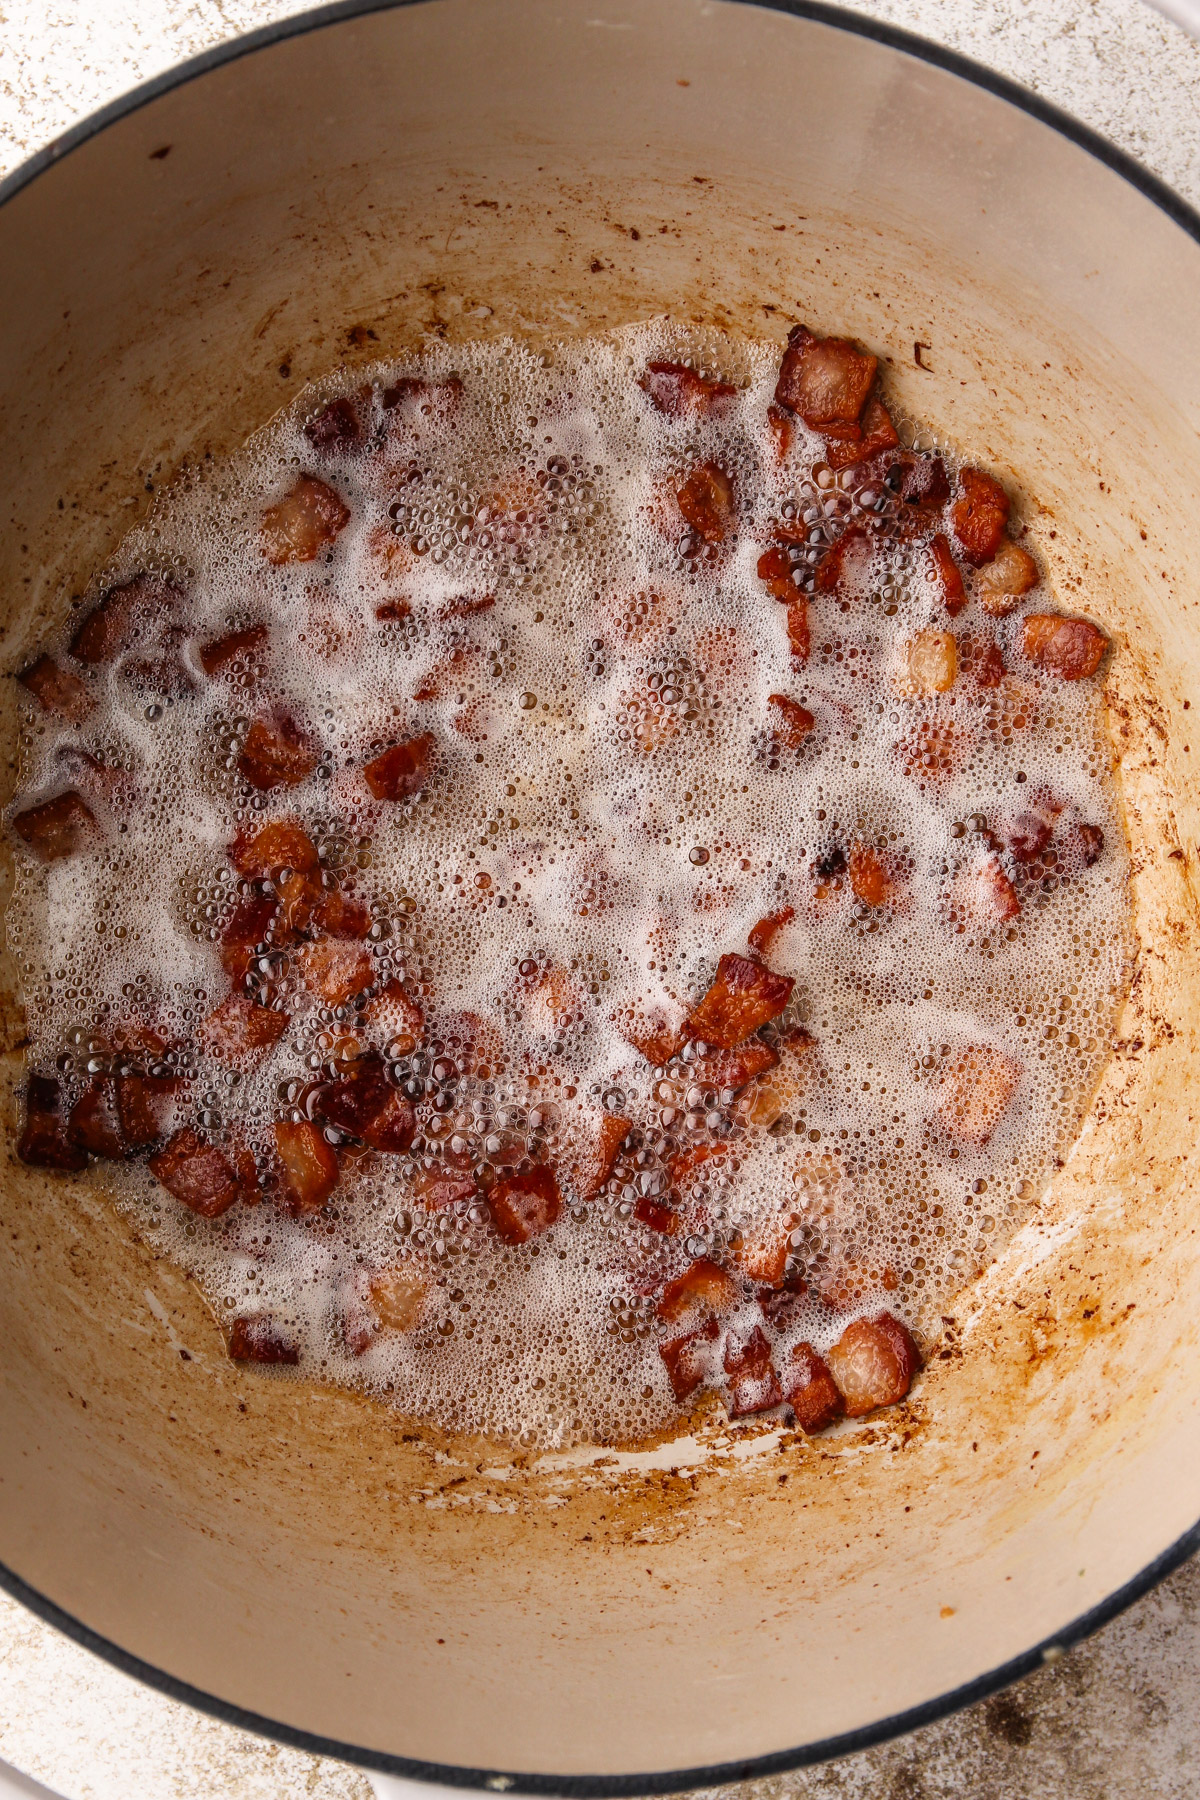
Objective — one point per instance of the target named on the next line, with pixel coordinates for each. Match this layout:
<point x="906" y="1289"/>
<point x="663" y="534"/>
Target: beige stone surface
<point x="1116" y="1719"/>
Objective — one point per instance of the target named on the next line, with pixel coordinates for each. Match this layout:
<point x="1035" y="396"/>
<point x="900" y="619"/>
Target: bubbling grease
<point x="607" y="813"/>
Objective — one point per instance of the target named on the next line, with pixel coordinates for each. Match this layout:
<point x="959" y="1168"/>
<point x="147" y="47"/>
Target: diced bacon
<point x="120" y="615"/>
<point x="1027" y="832"/>
<point x="596" y="1143"/>
<point x="878" y="435"/>
<point x="825" y="380"/>
<point x="394" y="612"/>
<point x="980" y="661"/>
<point x="985" y="895"/>
<point x="810" y="1390"/>
<point x="551" y="1000"/>
<point x="725" y="1069"/>
<point x="919" y="481"/>
<point x="43" y="1143"/>
<point x="247" y="927"/>
<point x="680" y="393"/>
<point x="397" y="1017"/>
<point x="774" y="567"/>
<point x="336" y="428"/>
<point x="335" y="969"/>
<point x="782" y="427"/>
<point x="1068" y="648"/>
<point x="844" y="564"/>
<point x="691" y="1360"/>
<point x="765" y="1248"/>
<point x="930" y="663"/>
<point x="241" y="1035"/>
<point x="283" y="844"/>
<point x="259" y="1338"/>
<point x="766" y="1101"/>
<point x="403" y="770"/>
<point x="245" y="1169"/>
<point x="398" y="1297"/>
<point x="1011" y="573"/>
<point x="707" y="504"/>
<point x="438" y="1188"/>
<point x="744" y="996"/>
<point x="56" y="690"/>
<point x="753" y="1384"/>
<point x="341" y="914"/>
<point x="873" y="1364"/>
<point x="364" y="1104"/>
<point x="526" y="1204"/>
<point x="684" y="1164"/>
<point x="798" y="635"/>
<point x="655" y="1216"/>
<point x="424" y="402"/>
<point x="947" y="575"/>
<point x="298" y="527"/>
<point x="94" y="1123"/>
<point x="763" y="935"/>
<point x="57" y="827"/>
<point x="976" y="1091"/>
<point x="653" y="1037"/>
<point x="870" y="878"/>
<point x="791" y="723"/>
<point x="979" y="516"/>
<point x="276" y="754"/>
<point x="310" y="1165"/>
<point x="704" y="1289"/>
<point x="196" y="1173"/>
<point x="223" y="653"/>
<point x="1081" y="848"/>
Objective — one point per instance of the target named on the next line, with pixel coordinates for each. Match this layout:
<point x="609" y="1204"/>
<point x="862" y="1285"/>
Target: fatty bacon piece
<point x="240" y="1035"/>
<point x="365" y="1105"/>
<point x="309" y="1164"/>
<point x="1068" y="648"/>
<point x="56" y="690"/>
<point x="1011" y="573"/>
<point x="826" y="381"/>
<point x="707" y="503"/>
<point x="878" y="436"/>
<point x="276" y="753"/>
<point x="674" y="389"/>
<point x="259" y="1338"/>
<point x="121" y="615"/>
<point x="753" y="1384"/>
<point x="873" y="1364"/>
<point x="43" y="1143"/>
<point x="703" y="1290"/>
<point x="299" y="526"/>
<point x="810" y="1390"/>
<point x="403" y="770"/>
<point x="763" y="935"/>
<point x="593" y="1148"/>
<point x="979" y="516"/>
<point x="745" y="996"/>
<point x="526" y="1204"/>
<point x="57" y="827"/>
<point x="791" y="723"/>
<point x="113" y="1117"/>
<point x="283" y="844"/>
<point x="691" y="1359"/>
<point x="337" y="428"/>
<point x="198" y="1174"/>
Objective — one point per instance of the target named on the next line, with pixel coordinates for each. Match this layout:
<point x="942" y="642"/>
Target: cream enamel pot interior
<point x="301" y="1560"/>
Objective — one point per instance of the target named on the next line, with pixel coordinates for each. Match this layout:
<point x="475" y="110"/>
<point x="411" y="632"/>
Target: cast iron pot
<point x="303" y="1561"/>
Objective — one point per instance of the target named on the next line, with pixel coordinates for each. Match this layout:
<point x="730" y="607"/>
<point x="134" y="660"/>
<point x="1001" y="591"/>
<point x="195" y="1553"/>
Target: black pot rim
<point x="596" y="1787"/>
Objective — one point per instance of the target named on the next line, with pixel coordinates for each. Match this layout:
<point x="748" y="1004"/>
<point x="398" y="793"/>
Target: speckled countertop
<point x="1118" y="1718"/>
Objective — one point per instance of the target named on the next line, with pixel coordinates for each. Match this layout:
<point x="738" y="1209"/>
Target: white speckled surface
<point x="1116" y="1719"/>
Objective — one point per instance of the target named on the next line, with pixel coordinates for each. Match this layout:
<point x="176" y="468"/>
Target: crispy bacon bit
<point x="258" y="1338"/>
<point x="655" y="1216"/>
<point x="783" y="430"/>
<point x="920" y="481"/>
<point x="335" y="969"/>
<point x="873" y="1363"/>
<point x="240" y="1034"/>
<point x="825" y="380"/>
<point x="57" y="827"/>
<point x="94" y="1123"/>
<point x="283" y="844"/>
<point x="56" y="690"/>
<point x="526" y="1204"/>
<point x="298" y="527"/>
<point x="196" y="1173"/>
<point x="342" y="915"/>
<point x="980" y="660"/>
<point x="844" y="561"/>
<point x="438" y="1188"/>
<point x="947" y="575"/>
<point x="1011" y="573"/>
<point x="763" y="935"/>
<point x="654" y="1038"/>
<point x="726" y="1069"/>
<point x="979" y="516"/>
<point x="598" y="1140"/>
<point x="706" y="502"/>
<point x="791" y="724"/>
<point x="703" y="1289"/>
<point x="985" y="895"/>
<point x="765" y="1249"/>
<point x="43" y="1143"/>
<point x="810" y="1390"/>
<point x="275" y="754"/>
<point x="869" y="878"/>
<point x="247" y="927"/>
<point x="775" y="568"/>
<point x="394" y="612"/>
<point x="878" y="435"/>
<point x="930" y="663"/>
<point x="679" y="392"/>
<point x="976" y="1092"/>
<point x="338" y="427"/>
<point x="1068" y="648"/>
<point x="742" y="998"/>
<point x="1029" y="831"/>
<point x="365" y="1105"/>
<point x="690" y="1360"/>
<point x="221" y="653"/>
<point x="402" y="771"/>
<point x="121" y="613"/>
<point x="799" y="638"/>
<point x="397" y="1016"/>
<point x="753" y="1384"/>
<point x="310" y="1166"/>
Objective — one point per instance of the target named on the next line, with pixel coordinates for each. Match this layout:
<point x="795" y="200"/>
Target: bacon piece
<point x="43" y="1143"/>
<point x="980" y="660"/>
<point x="120" y="614"/>
<point x="685" y="1162"/>
<point x="742" y="998"/>
<point x="792" y="723"/>
<point x="706" y="502"/>
<point x="873" y="1364"/>
<point x="765" y="1249"/>
<point x="930" y="663"/>
<point x="341" y="915"/>
<point x="680" y="393"/>
<point x="56" y="690"/>
<point x="654" y="1038"/>
<point x="526" y="1204"/>
<point x="363" y="1103"/>
<point x="976" y="1092"/>
<point x="241" y="1035"/>
<point x="753" y="1384"/>
<point x="298" y="527"/>
<point x="248" y="926"/>
<point x="947" y="575"/>
<point x="825" y="380"/>
<point x="979" y="516"/>
<point x="985" y="895"/>
<point x="402" y="771"/>
<point x="799" y="639"/>
<point x="782" y="427"/>
<point x="335" y="969"/>
<point x="844" y="561"/>
<point x="433" y="401"/>
<point x="690" y="1360"/>
<point x="397" y="1297"/>
<point x="1067" y="648"/>
<point x="702" y="1289"/>
<point x="869" y="878"/>
<point x="1011" y="573"/>
<point x="810" y="1390"/>
<point x="283" y="844"/>
<point x="394" y="611"/>
<point x="310" y="1165"/>
<point x="1083" y="846"/>
<point x="878" y="435"/>
<point x="196" y="1173"/>
<point x="595" y="1145"/>
<point x="1029" y="831"/>
<point x="222" y="653"/>
<point x="655" y="1216"/>
<point x="275" y="754"/>
<point x="94" y="1123"/>
<point x="775" y="568"/>
<point x="438" y="1188"/>
<point x="724" y="1069"/>
<point x="918" y="482"/>
<point x="258" y="1338"/>
<point x="57" y="827"/>
<point x="397" y="1016"/>
<point x="763" y="935"/>
<point x="336" y="428"/>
